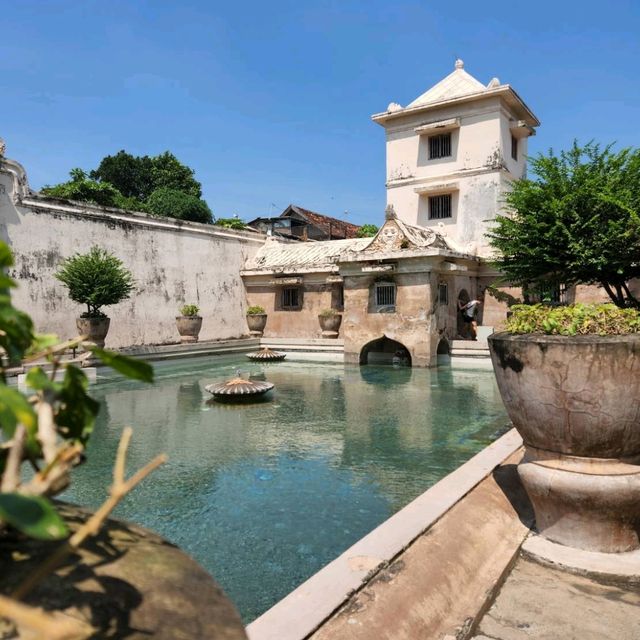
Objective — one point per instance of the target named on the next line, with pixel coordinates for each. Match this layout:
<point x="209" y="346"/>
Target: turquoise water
<point x="264" y="495"/>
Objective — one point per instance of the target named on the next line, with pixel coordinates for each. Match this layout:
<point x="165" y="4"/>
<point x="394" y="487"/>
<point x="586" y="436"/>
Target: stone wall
<point x="172" y="262"/>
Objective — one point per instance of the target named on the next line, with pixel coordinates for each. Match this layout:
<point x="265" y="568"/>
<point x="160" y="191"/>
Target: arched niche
<point x="385" y="351"/>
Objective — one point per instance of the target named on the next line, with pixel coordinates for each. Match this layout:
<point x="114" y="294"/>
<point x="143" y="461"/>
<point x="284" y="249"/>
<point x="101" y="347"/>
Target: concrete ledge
<point x="171" y="351"/>
<point x="306" y="608"/>
<point x="593" y="564"/>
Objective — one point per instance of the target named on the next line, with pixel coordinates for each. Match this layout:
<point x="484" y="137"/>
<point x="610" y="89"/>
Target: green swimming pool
<point x="264" y="495"/>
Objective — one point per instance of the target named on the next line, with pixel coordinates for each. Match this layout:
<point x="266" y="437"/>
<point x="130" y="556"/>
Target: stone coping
<point x="305" y="609"/>
<point x="614" y="566"/>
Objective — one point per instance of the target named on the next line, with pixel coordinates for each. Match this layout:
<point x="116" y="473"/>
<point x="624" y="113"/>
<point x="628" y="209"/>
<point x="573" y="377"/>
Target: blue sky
<point x="270" y="102"/>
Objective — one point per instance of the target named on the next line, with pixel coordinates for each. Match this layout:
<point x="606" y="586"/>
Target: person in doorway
<point x="469" y="312"/>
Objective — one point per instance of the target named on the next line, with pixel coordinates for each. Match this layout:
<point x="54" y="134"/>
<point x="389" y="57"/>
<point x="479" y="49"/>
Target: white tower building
<point x="452" y="152"/>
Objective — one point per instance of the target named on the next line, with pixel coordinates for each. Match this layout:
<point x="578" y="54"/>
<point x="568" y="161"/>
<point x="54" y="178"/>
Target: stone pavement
<point x="542" y="603"/>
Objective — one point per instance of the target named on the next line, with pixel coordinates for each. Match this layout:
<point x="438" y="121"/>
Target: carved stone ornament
<point x="389" y="238"/>
<point x="3" y="147"/>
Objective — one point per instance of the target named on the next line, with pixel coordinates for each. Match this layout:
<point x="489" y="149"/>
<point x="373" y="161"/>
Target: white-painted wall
<point x="476" y="174"/>
<point x="173" y="263"/>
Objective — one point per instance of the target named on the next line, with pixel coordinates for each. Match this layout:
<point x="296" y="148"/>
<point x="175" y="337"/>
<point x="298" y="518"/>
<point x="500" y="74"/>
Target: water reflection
<point x="263" y="495"/>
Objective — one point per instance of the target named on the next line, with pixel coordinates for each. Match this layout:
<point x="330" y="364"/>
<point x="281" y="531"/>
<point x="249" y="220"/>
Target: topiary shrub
<point x="189" y="310"/>
<point x="97" y="279"/>
<point x="176" y="204"/>
<point x="255" y="310"/>
<point x="572" y="320"/>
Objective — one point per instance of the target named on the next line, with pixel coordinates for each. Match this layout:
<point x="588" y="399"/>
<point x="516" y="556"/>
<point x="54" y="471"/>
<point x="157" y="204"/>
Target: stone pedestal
<point x="586" y="503"/>
<point x="576" y="403"/>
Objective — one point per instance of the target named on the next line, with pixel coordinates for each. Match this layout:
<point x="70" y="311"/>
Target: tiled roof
<point x="327" y="223"/>
<point x="277" y="255"/>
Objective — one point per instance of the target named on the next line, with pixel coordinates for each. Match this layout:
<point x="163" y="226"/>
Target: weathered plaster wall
<point x="173" y="263"/>
<point x="317" y="295"/>
<point x="413" y="324"/>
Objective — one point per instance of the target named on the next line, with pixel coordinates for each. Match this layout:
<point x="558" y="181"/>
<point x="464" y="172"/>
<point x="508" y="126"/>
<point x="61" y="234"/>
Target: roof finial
<point x="459" y="63"/>
<point x="3" y="147"/>
<point x="390" y="213"/>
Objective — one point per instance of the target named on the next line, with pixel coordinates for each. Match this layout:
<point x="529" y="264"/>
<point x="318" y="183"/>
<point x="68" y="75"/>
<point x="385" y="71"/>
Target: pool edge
<point x="307" y="607"/>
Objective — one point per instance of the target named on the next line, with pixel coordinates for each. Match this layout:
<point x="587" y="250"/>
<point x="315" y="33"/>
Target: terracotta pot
<point x="330" y="325"/>
<point x="257" y="322"/>
<point x="95" y="329"/>
<point x="125" y="582"/>
<point x="576" y="403"/>
<point x="189" y="327"/>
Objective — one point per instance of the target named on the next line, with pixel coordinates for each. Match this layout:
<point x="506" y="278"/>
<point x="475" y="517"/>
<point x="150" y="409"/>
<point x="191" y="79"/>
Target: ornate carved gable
<point x="389" y="238"/>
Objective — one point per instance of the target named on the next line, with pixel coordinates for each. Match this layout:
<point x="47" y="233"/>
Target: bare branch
<point x="56" y="349"/>
<point x="119" y="489"/>
<point x="121" y="456"/>
<point x="47" y="427"/>
<point x="45" y="625"/>
<point x="11" y="475"/>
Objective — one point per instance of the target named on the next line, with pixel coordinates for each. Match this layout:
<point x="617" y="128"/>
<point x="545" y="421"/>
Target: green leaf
<point x="14" y="408"/>
<point x="129" y="367"/>
<point x="38" y="380"/>
<point x="33" y="515"/>
<point x="78" y="410"/>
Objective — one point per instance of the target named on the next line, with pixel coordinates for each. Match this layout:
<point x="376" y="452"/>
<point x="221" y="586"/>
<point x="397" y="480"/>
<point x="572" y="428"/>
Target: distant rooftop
<point x="301" y="223"/>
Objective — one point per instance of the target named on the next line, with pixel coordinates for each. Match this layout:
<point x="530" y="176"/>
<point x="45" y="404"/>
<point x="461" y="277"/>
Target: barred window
<point x="440" y="146"/>
<point x="440" y="207"/>
<point x="291" y="298"/>
<point x="514" y="147"/>
<point x="443" y="293"/>
<point x="385" y="296"/>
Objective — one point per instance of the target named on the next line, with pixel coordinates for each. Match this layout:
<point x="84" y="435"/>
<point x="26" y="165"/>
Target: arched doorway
<point x="385" y="351"/>
<point x="462" y="329"/>
<point x="443" y="347"/>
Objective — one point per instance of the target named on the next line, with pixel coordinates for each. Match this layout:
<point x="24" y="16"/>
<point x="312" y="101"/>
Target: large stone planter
<point x="330" y="325"/>
<point x="127" y="583"/>
<point x="576" y="403"/>
<point x="95" y="329"/>
<point x="257" y="322"/>
<point x="189" y="328"/>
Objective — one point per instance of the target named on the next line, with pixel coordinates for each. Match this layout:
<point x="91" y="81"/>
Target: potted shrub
<point x="189" y="323"/>
<point x="330" y="321"/>
<point x="570" y="381"/>
<point x="96" y="279"/>
<point x="257" y="320"/>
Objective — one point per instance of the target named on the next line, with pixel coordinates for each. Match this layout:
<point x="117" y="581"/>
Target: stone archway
<point x="461" y="326"/>
<point x="385" y="351"/>
<point x="444" y="348"/>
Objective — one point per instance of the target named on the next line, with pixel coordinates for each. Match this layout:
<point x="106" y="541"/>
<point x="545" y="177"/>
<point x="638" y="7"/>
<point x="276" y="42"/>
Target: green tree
<point x="168" y="172"/>
<point x="130" y="175"/>
<point x="231" y="223"/>
<point x="177" y="204"/>
<point x="139" y="176"/>
<point x="97" y="279"/>
<point x="83" y="189"/>
<point x="367" y="231"/>
<point x="576" y="221"/>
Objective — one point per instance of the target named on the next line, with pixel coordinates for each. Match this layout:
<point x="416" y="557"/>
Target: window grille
<point x="290" y="298"/>
<point x="440" y="146"/>
<point x="440" y="207"/>
<point x="551" y="293"/>
<point x="514" y="147"/>
<point x="385" y="293"/>
<point x="443" y="293"/>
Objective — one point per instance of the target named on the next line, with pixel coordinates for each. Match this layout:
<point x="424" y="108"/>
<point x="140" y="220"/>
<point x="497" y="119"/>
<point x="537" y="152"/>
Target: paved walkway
<point x="541" y="603"/>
